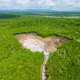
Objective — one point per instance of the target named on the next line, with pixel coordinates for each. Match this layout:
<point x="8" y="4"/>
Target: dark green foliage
<point x="7" y="15"/>
<point x="65" y="63"/>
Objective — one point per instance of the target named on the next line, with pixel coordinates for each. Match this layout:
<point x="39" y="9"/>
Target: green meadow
<point x="17" y="63"/>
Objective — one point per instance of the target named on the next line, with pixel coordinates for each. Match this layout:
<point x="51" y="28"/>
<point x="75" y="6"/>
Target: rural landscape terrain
<point x="18" y="63"/>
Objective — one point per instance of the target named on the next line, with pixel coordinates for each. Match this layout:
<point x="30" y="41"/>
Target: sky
<point x="58" y="5"/>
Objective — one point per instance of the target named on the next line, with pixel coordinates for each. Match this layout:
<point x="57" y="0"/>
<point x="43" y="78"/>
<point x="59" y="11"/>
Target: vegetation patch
<point x="17" y="63"/>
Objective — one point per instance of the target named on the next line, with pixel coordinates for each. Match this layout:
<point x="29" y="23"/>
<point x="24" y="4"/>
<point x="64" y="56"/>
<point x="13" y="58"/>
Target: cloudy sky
<point x="61" y="5"/>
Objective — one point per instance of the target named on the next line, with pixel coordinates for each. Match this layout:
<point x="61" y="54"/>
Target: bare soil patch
<point x="38" y="43"/>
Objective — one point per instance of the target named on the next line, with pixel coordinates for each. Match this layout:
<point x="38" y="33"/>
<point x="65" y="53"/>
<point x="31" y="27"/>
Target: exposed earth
<point x="36" y="43"/>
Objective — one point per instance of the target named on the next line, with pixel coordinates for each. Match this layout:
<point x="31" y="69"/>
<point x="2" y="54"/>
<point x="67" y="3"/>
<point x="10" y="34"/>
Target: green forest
<point x="17" y="63"/>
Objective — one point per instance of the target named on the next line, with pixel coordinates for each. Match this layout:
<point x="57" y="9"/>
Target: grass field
<point x="17" y="63"/>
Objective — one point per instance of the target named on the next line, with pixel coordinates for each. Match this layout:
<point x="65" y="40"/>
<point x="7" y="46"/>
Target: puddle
<point x="36" y="43"/>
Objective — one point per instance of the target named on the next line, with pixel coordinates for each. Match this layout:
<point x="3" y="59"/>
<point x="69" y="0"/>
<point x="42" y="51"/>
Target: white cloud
<point x="73" y="3"/>
<point x="67" y="4"/>
<point x="40" y="4"/>
<point x="77" y="5"/>
<point x="22" y="2"/>
<point x="16" y="4"/>
<point x="46" y="3"/>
